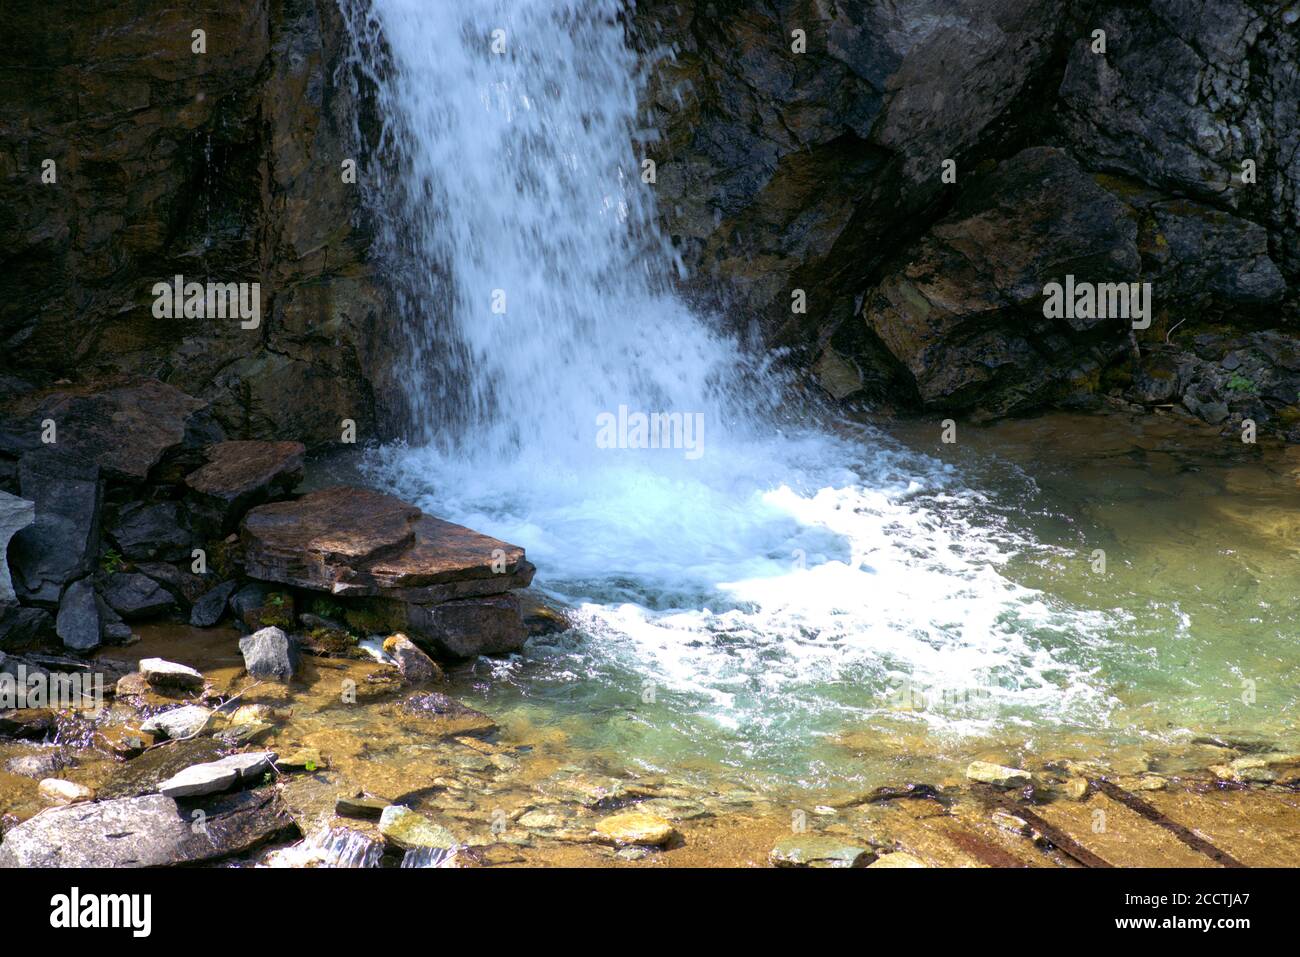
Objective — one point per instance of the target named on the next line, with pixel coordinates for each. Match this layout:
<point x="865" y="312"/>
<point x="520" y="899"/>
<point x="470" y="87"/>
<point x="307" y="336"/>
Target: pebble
<point x="997" y="775"/>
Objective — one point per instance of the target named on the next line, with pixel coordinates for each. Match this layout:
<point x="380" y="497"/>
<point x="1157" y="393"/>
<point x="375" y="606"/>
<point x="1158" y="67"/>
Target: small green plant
<point x="1239" y="383"/>
<point x="324" y="608"/>
<point x="310" y="765"/>
<point x="111" y="562"/>
<point x="276" y="600"/>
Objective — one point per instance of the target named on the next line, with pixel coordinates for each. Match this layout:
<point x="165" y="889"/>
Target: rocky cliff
<point x="802" y="167"/>
<point x="882" y="190"/>
<point x="132" y="150"/>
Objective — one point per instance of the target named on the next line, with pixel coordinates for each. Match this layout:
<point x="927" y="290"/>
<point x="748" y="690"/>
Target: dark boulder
<point x="78" y="623"/>
<point x="239" y="475"/>
<point x="64" y="540"/>
<point x="207" y="611"/>
<point x="152" y="531"/>
<point x="135" y="596"/>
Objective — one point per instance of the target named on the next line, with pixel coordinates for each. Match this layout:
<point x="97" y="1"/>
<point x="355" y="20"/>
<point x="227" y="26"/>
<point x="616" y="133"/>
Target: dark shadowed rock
<point x="19" y="624"/>
<point x="62" y="543"/>
<point x="964" y="315"/>
<point x="207" y="611"/>
<point x="239" y="475"/>
<point x="146" y="531"/>
<point x="1185" y="93"/>
<point x="146" y="831"/>
<point x="15" y="514"/>
<point x="135" y="596"/>
<point x="268" y="653"/>
<point x="355" y="542"/>
<point x="493" y="625"/>
<point x="78" y="623"/>
<point x="185" y="586"/>
<point x="125" y="429"/>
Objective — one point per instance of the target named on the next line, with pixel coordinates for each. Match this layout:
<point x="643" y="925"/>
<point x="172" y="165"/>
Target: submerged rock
<point x="146" y="831"/>
<point x="636" y="827"/>
<point x="897" y="859"/>
<point x="813" y="850"/>
<point x="38" y="765"/>
<point x="997" y="775"/>
<point x="268" y="654"/>
<point x="366" y="808"/>
<point x="450" y="717"/>
<point x="409" y="829"/>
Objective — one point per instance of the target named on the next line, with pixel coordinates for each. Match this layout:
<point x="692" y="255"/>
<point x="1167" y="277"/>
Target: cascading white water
<point x="751" y="578"/>
<point x="545" y="293"/>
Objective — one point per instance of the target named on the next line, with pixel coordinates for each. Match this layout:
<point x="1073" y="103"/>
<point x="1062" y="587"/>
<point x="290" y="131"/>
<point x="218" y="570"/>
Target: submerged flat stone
<point x="815" y="850"/>
<point x="409" y="830"/>
<point x="360" y="543"/>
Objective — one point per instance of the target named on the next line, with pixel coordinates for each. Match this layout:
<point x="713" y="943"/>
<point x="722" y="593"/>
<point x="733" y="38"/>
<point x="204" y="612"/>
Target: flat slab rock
<point x="360" y="543"/>
<point x="147" y="831"/>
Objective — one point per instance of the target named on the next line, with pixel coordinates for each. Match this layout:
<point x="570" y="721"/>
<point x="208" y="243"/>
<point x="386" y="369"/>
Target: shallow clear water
<point x="789" y="625"/>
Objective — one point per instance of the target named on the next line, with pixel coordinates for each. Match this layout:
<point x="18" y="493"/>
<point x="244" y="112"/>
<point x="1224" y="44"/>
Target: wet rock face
<point x="61" y="544"/>
<point x="780" y="171"/>
<point x="221" y="165"/>
<point x="1185" y="93"/>
<point x="239" y="475"/>
<point x="964" y="317"/>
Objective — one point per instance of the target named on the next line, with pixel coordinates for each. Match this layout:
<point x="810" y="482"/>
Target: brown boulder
<point x="355" y="542"/>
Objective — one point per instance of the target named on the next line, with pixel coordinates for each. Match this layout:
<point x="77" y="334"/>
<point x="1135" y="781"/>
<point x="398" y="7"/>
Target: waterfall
<point x="536" y="282"/>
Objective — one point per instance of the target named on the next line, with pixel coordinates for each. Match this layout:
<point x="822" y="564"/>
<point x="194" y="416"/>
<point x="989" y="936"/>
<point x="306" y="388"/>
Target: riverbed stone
<point x="356" y="542"/>
<point x="414" y="664"/>
<point x="366" y="808"/>
<point x="136" y="597"/>
<point x="39" y="764"/>
<point x="15" y="514"/>
<point x="63" y="541"/>
<point x="268" y="653"/>
<point x="409" y="829"/>
<point x="207" y="611"/>
<point x="464" y="628"/>
<point x="143" y="774"/>
<point x="997" y="775"/>
<point x="897" y="859"/>
<point x="184" y="722"/>
<point x="636" y="827"/>
<point x="79" y="624"/>
<point x="241" y="474"/>
<point x="816" y="850"/>
<point x="169" y="674"/>
<point x="448" y="718"/>
<point x="146" y="831"/>
<point x="216" y="776"/>
<point x="59" y="791"/>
